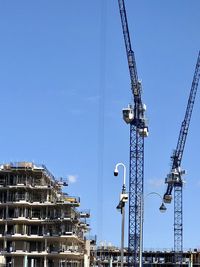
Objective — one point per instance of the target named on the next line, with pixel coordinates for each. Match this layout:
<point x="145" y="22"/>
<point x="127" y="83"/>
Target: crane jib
<point x="135" y="116"/>
<point x="178" y="153"/>
<point x="174" y="178"/>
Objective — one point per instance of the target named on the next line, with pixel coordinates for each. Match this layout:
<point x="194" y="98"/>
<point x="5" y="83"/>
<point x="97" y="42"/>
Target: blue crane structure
<point x="174" y="178"/>
<point x="135" y="116"/>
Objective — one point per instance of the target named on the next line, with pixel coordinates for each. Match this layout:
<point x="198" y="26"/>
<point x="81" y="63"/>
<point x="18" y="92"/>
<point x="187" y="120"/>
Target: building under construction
<point x="110" y="256"/>
<point x="40" y="225"/>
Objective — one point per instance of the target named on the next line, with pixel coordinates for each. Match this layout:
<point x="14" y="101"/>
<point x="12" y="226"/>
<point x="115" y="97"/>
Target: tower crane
<point x="174" y="178"/>
<point x="135" y="116"/>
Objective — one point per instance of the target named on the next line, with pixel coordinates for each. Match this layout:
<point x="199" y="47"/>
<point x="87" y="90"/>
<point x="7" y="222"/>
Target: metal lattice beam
<point x="174" y="178"/>
<point x="178" y="222"/>
<point x="135" y="193"/>
<point x="138" y="130"/>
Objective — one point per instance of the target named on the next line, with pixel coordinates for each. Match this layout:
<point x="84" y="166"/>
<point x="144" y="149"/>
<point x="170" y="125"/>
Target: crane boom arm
<point x="186" y="122"/>
<point x="178" y="153"/>
<point x="135" y="86"/>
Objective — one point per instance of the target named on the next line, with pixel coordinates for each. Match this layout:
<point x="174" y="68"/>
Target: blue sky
<point x="64" y="81"/>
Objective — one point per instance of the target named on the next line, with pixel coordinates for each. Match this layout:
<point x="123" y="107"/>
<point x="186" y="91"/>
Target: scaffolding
<point x="40" y="225"/>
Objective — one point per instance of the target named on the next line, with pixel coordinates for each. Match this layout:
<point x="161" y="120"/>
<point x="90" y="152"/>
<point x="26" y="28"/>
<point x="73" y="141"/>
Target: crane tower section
<point x="135" y="116"/>
<point x="174" y="178"/>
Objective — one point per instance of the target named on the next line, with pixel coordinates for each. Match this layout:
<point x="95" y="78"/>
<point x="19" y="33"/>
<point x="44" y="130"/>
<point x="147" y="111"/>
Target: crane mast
<point x="138" y="130"/>
<point x="174" y="178"/>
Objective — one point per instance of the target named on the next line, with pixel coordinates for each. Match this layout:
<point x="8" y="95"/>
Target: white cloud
<point x="72" y="178"/>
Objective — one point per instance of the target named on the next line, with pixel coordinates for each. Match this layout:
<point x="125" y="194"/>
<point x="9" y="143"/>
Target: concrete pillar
<point x="45" y="245"/>
<point x="87" y="254"/>
<point x="25" y="261"/>
<point x="191" y="260"/>
<point x="45" y="261"/>
<point x="110" y="263"/>
<point x="5" y="239"/>
<point x="86" y="262"/>
<point x="32" y="262"/>
<point x="7" y="210"/>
